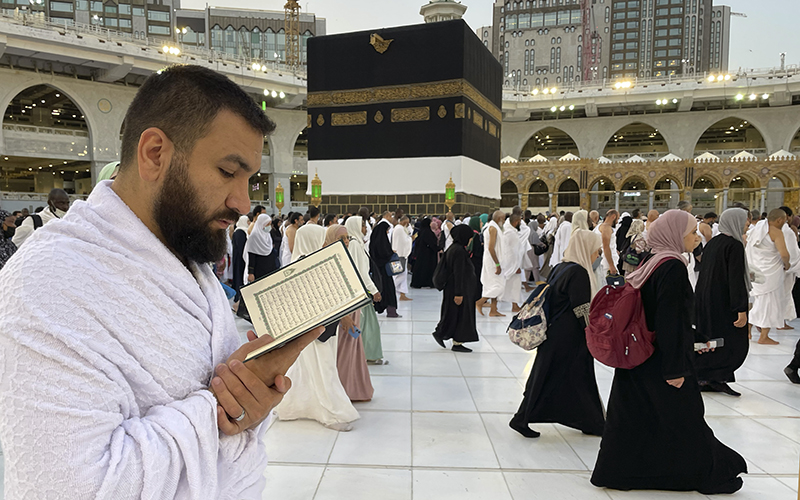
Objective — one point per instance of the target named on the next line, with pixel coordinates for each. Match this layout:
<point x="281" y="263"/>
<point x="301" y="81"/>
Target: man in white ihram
<point x="109" y="390"/>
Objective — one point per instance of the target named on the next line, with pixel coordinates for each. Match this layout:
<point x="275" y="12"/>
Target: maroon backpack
<point x="617" y="335"/>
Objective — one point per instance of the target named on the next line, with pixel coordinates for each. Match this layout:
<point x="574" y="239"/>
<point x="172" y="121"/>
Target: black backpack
<point x="37" y="221"/>
<point x="442" y="239"/>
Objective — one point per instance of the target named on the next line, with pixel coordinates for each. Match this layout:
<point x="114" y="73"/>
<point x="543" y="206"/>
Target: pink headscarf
<point x="665" y="238"/>
<point x="436" y="226"/>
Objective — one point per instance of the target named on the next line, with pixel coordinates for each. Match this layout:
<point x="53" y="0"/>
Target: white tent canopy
<point x="743" y="155"/>
<point x="508" y="159"/>
<point x="603" y="159"/>
<point x="634" y="159"/>
<point x="538" y="157"/>
<point x="670" y="157"/>
<point x="569" y="157"/>
<point x="781" y="154"/>
<point x="707" y="157"/>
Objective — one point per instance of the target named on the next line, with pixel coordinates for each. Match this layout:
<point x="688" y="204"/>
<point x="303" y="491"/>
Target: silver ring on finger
<point x="240" y="417"/>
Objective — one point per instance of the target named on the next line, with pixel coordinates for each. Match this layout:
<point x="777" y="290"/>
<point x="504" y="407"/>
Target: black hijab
<point x="380" y="248"/>
<point x="622" y="232"/>
<point x="462" y="235"/>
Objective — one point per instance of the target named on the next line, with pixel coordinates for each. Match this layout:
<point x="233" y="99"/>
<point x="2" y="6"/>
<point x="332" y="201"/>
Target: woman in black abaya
<point x="426" y="251"/>
<point x="722" y="295"/>
<point x="475" y="249"/>
<point x="380" y="250"/>
<point x="562" y="387"/>
<point x="457" y="319"/>
<point x="656" y="437"/>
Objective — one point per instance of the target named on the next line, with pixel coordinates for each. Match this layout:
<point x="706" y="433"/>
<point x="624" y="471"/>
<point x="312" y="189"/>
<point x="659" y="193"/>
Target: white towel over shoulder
<point x="102" y="380"/>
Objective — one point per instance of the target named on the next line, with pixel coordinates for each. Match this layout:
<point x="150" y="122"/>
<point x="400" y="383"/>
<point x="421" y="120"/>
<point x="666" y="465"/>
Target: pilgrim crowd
<point x="129" y="380"/>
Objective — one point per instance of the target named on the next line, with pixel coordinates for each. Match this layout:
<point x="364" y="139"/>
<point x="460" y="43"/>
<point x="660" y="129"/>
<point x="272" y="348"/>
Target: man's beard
<point x="182" y="219"/>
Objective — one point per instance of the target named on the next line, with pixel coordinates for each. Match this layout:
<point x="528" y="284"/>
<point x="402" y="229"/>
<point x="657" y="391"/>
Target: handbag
<point x="631" y="256"/>
<point x="395" y="266"/>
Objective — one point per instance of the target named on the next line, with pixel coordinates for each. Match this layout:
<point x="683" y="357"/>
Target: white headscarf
<point x="580" y="220"/>
<point x="353" y="225"/>
<point x="243" y="223"/>
<point x="307" y="240"/>
<point x="260" y="240"/>
<point x="582" y="244"/>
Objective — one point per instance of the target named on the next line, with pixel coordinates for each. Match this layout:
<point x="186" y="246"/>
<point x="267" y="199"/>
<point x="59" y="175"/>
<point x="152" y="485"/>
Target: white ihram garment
<point x="493" y="284"/>
<point x="560" y="243"/>
<point x="510" y="262"/>
<point x="769" y="297"/>
<point x="401" y="245"/>
<point x="525" y="245"/>
<point x="790" y="276"/>
<point x="103" y="386"/>
<point x="317" y="393"/>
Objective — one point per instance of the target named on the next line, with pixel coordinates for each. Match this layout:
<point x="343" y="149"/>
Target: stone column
<point x="652" y="199"/>
<point x="616" y="201"/>
<point x="763" y="200"/>
<point x="585" y="199"/>
<point x="552" y="205"/>
<point x="724" y="198"/>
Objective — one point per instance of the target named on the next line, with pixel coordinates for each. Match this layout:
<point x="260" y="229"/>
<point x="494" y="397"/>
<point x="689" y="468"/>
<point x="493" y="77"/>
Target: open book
<point x="317" y="290"/>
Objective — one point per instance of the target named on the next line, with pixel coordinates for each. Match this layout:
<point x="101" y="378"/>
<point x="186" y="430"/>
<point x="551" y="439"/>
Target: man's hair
<point x="611" y="213"/>
<point x="541" y="219"/>
<point x="16" y="212"/>
<point x="755" y="214"/>
<point x="328" y="219"/>
<point x="739" y="204"/>
<point x="313" y="211"/>
<point x="788" y="211"/>
<point x="515" y="217"/>
<point x="562" y="213"/>
<point x="257" y="211"/>
<point x="57" y="193"/>
<point x="404" y="217"/>
<point x="776" y="214"/>
<point x="636" y="214"/>
<point x="38" y="209"/>
<point x="293" y="217"/>
<point x="364" y="213"/>
<point x="182" y="101"/>
<point x="568" y="216"/>
<point x="306" y="217"/>
<point x="683" y="205"/>
<point x="710" y="215"/>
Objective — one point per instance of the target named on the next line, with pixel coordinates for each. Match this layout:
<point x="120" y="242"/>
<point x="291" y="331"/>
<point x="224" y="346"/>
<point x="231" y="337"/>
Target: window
<point x="633" y="25"/>
<point x="661" y="22"/>
<point x="618" y="36"/>
<point x="675" y="42"/>
<point x="661" y="53"/>
<point x="675" y="62"/>
<point x="618" y="46"/>
<point x="660" y="64"/>
<point x="661" y="43"/>
<point x="158" y="30"/>
<point x="97" y="6"/>
<point x="511" y="22"/>
<point x="617" y="67"/>
<point x="552" y="41"/>
<point x="485" y="34"/>
<point x="124" y="23"/>
<point x="632" y="45"/>
<point x="157" y="15"/>
<point x="675" y="11"/>
<point x="619" y="26"/>
<point x="60" y="7"/>
<point x="110" y="9"/>
<point x="633" y="35"/>
<point x="558" y="40"/>
<point x="675" y="21"/>
<point x="633" y="5"/>
<point x="82" y="4"/>
<point x="618" y="56"/>
<point x="662" y="2"/>
<point x="537" y="20"/>
<point x="138" y="11"/>
<point x="575" y="17"/>
<point x="633" y="14"/>
<point x="675" y="32"/>
<point x="524" y="21"/>
<point x="619" y="15"/>
<point x="631" y="65"/>
<point x="608" y="11"/>
<point x="111" y="22"/>
<point x="661" y="32"/>
<point x="662" y="12"/>
<point x="631" y="55"/>
<point x="563" y="17"/>
<point x="619" y="5"/>
<point x="550" y="18"/>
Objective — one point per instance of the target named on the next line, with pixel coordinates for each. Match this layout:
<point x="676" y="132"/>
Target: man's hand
<point x="676" y="382"/>
<point x="251" y="278"/>
<point x="612" y="271"/>
<point x="519" y="271"/>
<point x="347" y="323"/>
<point x="377" y="297"/>
<point x="741" y="321"/>
<point x="497" y="270"/>
<point x="458" y="300"/>
<point x="258" y="386"/>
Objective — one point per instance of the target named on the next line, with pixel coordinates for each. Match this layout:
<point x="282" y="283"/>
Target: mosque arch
<point x="602" y="183"/>
<point x="634" y="193"/>
<point x="538" y="196"/>
<point x="551" y="142"/>
<point x="794" y="144"/>
<point x="776" y="191"/>
<point x="45" y="105"/>
<point x="602" y="196"/>
<point x="667" y="192"/>
<point x="509" y="194"/>
<point x="637" y="138"/>
<point x="745" y="189"/>
<point x="705" y="193"/>
<point x="569" y="194"/>
<point x="729" y="136"/>
<point x="635" y="182"/>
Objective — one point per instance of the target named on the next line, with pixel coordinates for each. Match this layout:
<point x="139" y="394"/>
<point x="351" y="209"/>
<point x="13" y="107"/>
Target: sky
<point x="756" y="41"/>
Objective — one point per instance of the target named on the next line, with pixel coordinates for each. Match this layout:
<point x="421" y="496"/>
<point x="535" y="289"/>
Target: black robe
<point x="380" y="249"/>
<point x="562" y="387"/>
<point x="477" y="262"/>
<point x="261" y="265"/>
<point x="239" y="240"/>
<point x="656" y="437"/>
<point x="426" y="252"/>
<point x="720" y="295"/>
<point x="458" y="322"/>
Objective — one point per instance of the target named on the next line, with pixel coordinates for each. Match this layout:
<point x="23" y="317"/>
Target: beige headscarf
<point x="332" y="234"/>
<point x="582" y="244"/>
<point x="637" y="228"/>
<point x="580" y="220"/>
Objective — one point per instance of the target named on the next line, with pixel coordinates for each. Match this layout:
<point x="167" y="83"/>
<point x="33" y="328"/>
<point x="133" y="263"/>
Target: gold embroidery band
<point x="345" y="119"/>
<point x="420" y="114"/>
<point x="395" y="93"/>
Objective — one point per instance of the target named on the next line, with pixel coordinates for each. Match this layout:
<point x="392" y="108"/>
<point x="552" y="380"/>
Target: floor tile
<point x="299" y="441"/>
<point x="460" y="485"/>
<point x="290" y="482"/>
<point x="364" y="484"/>
<point x="552" y="486"/>
<point x="763" y="488"/>
<point x="753" y="404"/>
<point x="767" y="449"/>
<point x="391" y="393"/>
<point x="426" y="343"/>
<point x="451" y="440"/>
<point x="399" y="364"/>
<point x="439" y="364"/>
<point x="389" y="434"/>
<point x="496" y="395"/>
<point x="483" y="364"/>
<point x="654" y="495"/>
<point x="440" y="394"/>
<point x="790" y="481"/>
<point x="399" y="342"/>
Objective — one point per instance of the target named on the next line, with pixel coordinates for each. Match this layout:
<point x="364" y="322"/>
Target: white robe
<point x="560" y="243"/>
<point x="525" y="245"/>
<point x="103" y="386"/>
<point x="448" y="240"/>
<point x="510" y="262"/>
<point x="790" y="276"/>
<point x="401" y="245"/>
<point x="769" y="294"/>
<point x="493" y="284"/>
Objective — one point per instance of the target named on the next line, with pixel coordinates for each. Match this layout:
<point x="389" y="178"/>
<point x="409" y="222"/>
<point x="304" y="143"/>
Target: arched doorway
<point x="705" y="196"/>
<point x="509" y="195"/>
<point x="633" y="195"/>
<point x="776" y="193"/>
<point x="731" y="136"/>
<point x="300" y="177"/>
<point x="602" y="195"/>
<point x="550" y="142"/>
<point x="636" y="139"/>
<point x="46" y="143"/>
<point x="538" y="198"/>
<point x="667" y="194"/>
<point x="794" y="147"/>
<point x="569" y="196"/>
<point x="744" y="191"/>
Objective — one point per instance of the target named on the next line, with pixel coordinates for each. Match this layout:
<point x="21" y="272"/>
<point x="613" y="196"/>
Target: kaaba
<point x="394" y="113"/>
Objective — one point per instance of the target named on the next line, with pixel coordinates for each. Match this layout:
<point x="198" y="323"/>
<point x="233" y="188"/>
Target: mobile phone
<point x="712" y="344"/>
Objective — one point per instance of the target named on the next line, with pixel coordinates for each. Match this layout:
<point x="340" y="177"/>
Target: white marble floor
<point x="437" y="427"/>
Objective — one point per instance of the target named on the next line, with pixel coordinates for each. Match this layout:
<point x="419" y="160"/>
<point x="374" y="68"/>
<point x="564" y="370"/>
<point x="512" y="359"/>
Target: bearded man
<point x="109" y="391"/>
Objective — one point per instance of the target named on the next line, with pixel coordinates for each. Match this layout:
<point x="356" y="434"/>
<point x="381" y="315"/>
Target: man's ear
<point x="154" y="154"/>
